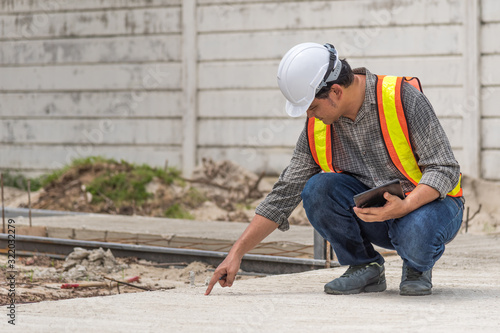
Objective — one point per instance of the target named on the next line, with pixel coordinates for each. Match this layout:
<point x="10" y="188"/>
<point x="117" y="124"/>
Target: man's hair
<point x="345" y="79"/>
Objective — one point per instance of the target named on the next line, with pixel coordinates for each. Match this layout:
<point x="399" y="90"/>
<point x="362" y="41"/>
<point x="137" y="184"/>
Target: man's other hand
<point x="394" y="208"/>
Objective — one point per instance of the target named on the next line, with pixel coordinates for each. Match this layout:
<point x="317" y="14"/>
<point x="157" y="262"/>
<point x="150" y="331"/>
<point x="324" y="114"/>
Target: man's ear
<point x="336" y="90"/>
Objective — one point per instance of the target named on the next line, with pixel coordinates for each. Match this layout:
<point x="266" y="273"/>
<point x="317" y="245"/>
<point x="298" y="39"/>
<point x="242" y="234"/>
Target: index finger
<point x="216" y="277"/>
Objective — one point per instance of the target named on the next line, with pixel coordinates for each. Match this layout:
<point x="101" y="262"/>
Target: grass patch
<point x="21" y="182"/>
<point x="127" y="183"/>
<point x="176" y="211"/>
<point x="79" y="163"/>
<point x="122" y="182"/>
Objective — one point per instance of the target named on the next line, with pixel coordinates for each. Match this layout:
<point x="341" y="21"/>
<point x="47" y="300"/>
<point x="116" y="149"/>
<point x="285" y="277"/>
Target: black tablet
<point x="375" y="196"/>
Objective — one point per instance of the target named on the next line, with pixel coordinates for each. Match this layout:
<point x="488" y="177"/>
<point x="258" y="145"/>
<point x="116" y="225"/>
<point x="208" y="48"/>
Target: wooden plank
<point x="39" y="231"/>
<point x="94" y="131"/>
<point x="88" y="234"/>
<point x="102" y="104"/>
<point x="490" y="133"/>
<point x="489" y="167"/>
<point x="107" y="22"/>
<point x="490" y="11"/>
<point x="432" y="71"/>
<point x="249" y="132"/>
<point x="490" y="43"/>
<point x="351" y="42"/>
<point x="92" y="77"/>
<point x="94" y="50"/>
<point x="490" y="70"/>
<point x="30" y="6"/>
<point x="38" y="157"/>
<point x="55" y="232"/>
<point x="326" y="14"/>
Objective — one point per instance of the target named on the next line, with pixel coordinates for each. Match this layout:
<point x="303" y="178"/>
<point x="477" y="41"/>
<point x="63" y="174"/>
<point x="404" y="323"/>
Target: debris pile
<point x="222" y="190"/>
<point x="230" y="189"/>
<point x="227" y="183"/>
<point x="91" y="265"/>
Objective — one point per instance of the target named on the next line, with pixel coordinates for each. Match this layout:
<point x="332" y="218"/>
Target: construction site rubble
<point x="227" y="183"/>
<point x="218" y="190"/>
<point x="91" y="265"/>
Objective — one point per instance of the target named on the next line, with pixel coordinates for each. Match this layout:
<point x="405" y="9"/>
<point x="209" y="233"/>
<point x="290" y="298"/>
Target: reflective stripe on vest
<point x="320" y="139"/>
<point x="394" y="131"/>
<point x="395" y="128"/>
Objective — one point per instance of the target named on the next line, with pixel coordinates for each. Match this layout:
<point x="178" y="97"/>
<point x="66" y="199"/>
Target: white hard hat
<point x="303" y="71"/>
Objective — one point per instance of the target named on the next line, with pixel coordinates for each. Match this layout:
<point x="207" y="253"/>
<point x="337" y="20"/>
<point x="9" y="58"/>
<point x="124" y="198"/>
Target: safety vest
<point x="394" y="129"/>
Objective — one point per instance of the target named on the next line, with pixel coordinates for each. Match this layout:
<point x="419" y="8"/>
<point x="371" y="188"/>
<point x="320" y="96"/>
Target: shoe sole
<point x="415" y="293"/>
<point x="371" y="288"/>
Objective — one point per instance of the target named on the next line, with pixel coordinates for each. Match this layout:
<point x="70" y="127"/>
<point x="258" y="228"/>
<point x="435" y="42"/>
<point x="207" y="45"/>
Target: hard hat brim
<point x="294" y="110"/>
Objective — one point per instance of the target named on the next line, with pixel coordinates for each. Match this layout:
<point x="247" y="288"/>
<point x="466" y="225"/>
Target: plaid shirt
<point x="359" y="149"/>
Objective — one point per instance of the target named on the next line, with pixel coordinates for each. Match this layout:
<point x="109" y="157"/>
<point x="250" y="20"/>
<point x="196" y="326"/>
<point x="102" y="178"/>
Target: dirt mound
<point x="221" y="191"/>
<point x="81" y="188"/>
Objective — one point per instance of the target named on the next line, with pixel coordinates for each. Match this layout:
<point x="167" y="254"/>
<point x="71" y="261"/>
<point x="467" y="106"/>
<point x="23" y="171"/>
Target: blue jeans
<point x="419" y="237"/>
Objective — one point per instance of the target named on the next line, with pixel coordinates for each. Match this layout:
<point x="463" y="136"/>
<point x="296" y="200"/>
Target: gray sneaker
<point x="357" y="279"/>
<point x="415" y="283"/>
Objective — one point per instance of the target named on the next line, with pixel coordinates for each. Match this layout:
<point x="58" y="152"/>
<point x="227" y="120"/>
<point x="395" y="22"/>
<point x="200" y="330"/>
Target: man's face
<point x="325" y="109"/>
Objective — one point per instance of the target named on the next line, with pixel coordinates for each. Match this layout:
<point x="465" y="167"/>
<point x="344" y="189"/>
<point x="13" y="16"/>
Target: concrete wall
<point x="83" y="78"/>
<point x="150" y="81"/>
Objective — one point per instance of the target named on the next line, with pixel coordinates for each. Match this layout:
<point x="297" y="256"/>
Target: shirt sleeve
<point x="440" y="169"/>
<point x="285" y="195"/>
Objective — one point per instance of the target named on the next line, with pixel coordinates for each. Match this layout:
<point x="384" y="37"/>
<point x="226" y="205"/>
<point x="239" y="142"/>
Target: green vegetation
<point x="121" y="182"/>
<point x="176" y="211"/>
<point x="21" y="182"/>
<point x="119" y="185"/>
<point x="76" y="163"/>
<point x="125" y="182"/>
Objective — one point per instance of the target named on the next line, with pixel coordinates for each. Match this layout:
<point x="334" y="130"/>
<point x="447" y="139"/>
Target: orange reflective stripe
<point x="310" y="136"/>
<point x="414" y="82"/>
<point x="400" y="111"/>
<point x="392" y="122"/>
<point x="457" y="191"/>
<point x="395" y="128"/>
<point x="328" y="147"/>
<point x="319" y="136"/>
<point x="320" y="141"/>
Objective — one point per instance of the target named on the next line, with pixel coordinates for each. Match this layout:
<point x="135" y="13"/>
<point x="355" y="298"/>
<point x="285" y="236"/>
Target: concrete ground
<point x="466" y="298"/>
